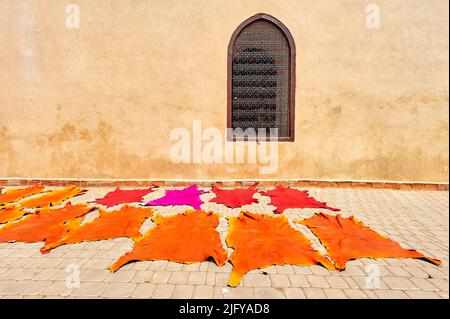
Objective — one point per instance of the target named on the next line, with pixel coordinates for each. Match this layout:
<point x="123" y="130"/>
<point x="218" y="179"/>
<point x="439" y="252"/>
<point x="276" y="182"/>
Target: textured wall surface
<point x="100" y="101"/>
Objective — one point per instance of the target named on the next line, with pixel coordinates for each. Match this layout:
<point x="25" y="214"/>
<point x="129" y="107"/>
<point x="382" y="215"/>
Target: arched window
<point x="261" y="77"/>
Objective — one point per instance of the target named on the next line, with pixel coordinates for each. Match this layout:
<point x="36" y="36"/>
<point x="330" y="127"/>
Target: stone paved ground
<point x="416" y="219"/>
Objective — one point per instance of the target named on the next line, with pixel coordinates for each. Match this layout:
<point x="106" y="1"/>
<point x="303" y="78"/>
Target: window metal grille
<point x="261" y="78"/>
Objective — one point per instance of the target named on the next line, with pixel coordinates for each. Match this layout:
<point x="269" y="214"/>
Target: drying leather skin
<point x="11" y="213"/>
<point x="186" y="238"/>
<point x="47" y="225"/>
<point x="123" y="196"/>
<point x="188" y="196"/>
<point x="348" y="238"/>
<point x="14" y="195"/>
<point x="285" y="197"/>
<point x="125" y="222"/>
<point x="52" y="198"/>
<point x="234" y="198"/>
<point x="261" y="240"/>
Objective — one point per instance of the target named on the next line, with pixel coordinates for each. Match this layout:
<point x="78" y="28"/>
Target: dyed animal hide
<point x="11" y="213"/>
<point x="261" y="240"/>
<point x="234" y="197"/>
<point x="125" y="222"/>
<point x="122" y="196"/>
<point x="14" y="195"/>
<point x="187" y="238"/>
<point x="283" y="198"/>
<point x="53" y="198"/>
<point x="347" y="238"/>
<point x="46" y="225"/>
<point x="188" y="196"/>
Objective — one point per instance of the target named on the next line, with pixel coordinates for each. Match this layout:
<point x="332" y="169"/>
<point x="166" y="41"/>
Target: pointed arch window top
<point x="266" y="17"/>
<point x="261" y="77"/>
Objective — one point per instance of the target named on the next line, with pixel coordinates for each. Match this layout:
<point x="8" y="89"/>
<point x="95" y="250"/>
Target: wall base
<point x="227" y="183"/>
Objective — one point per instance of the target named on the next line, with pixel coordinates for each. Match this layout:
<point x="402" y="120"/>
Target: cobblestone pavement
<point x="416" y="219"/>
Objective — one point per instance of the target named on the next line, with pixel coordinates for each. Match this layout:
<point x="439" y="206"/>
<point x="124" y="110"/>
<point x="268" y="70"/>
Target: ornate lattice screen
<point x="261" y="78"/>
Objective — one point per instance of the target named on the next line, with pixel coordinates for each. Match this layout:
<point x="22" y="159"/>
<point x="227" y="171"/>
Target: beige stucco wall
<point x="100" y="101"/>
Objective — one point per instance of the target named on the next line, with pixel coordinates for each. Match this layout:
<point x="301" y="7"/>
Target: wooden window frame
<point x="292" y="78"/>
